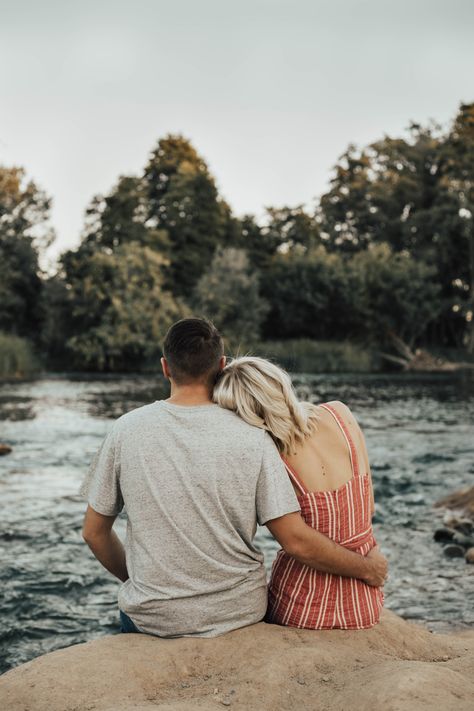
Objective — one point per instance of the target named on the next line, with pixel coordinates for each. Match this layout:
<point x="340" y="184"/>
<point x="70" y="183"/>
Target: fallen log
<point x="420" y="360"/>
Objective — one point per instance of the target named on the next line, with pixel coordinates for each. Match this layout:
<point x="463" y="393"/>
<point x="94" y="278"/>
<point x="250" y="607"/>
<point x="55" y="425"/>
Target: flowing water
<point x="420" y="438"/>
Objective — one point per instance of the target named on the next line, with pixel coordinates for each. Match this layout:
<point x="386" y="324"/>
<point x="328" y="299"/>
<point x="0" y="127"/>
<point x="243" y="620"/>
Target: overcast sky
<point x="269" y="91"/>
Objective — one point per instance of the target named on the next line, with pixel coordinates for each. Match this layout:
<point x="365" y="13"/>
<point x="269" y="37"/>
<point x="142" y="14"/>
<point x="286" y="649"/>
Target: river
<point x="420" y="438"/>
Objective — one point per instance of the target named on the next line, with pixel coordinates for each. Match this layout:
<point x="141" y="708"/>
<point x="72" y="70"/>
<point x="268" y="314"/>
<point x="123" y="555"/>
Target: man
<point x="195" y="479"/>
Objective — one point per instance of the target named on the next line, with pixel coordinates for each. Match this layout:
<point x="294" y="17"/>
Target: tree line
<point x="389" y="249"/>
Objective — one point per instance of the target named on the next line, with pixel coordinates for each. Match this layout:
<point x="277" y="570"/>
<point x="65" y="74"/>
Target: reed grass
<point x="308" y="356"/>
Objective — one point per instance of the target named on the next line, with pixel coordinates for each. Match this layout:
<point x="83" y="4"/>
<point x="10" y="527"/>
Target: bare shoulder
<point x="345" y="412"/>
<point x="340" y="407"/>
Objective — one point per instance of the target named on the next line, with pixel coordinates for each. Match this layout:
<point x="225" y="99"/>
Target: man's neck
<point x="189" y="395"/>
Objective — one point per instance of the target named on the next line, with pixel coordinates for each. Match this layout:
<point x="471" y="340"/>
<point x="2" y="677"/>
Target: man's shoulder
<point x="136" y="416"/>
<point x="222" y="422"/>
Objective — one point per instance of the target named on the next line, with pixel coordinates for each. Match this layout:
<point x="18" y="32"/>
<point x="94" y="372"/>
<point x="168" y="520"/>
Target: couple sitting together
<point x="230" y="448"/>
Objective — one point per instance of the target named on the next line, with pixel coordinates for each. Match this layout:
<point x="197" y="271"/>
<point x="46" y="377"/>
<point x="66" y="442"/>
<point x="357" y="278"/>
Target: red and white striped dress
<point x="300" y="596"/>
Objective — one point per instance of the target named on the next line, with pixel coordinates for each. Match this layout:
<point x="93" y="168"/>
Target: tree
<point x="119" y="309"/>
<point x="228" y="294"/>
<point x="325" y="296"/>
<point x="24" y="230"/>
<point x="121" y="217"/>
<point x="385" y="193"/>
<point x="345" y="214"/>
<point x="310" y="296"/>
<point x="458" y="180"/>
<point x="398" y="295"/>
<point x="284" y="229"/>
<point x="406" y="192"/>
<point x="182" y="199"/>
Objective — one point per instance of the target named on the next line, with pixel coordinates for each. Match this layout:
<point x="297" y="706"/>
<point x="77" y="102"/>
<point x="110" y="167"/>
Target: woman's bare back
<point x="323" y="461"/>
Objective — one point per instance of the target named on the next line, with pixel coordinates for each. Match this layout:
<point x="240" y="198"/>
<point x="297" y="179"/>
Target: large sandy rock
<point x="396" y="666"/>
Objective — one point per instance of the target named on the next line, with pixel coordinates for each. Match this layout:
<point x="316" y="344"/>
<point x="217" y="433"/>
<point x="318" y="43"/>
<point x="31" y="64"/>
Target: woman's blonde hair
<point x="261" y="393"/>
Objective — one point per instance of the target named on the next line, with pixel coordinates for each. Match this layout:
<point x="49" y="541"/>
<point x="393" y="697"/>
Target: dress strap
<point x="295" y="478"/>
<point x="347" y="435"/>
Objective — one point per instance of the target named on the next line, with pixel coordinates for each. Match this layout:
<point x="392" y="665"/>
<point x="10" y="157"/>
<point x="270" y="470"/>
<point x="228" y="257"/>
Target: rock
<point x="453" y="551"/>
<point x="462" y="540"/>
<point x="458" y="523"/>
<point x="470" y="555"/>
<point x="143" y="673"/>
<point x="5" y="449"/>
<point x="443" y="535"/>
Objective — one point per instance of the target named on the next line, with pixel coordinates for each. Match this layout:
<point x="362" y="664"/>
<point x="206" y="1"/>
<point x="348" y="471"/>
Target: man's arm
<point x="316" y="550"/>
<point x="104" y="543"/>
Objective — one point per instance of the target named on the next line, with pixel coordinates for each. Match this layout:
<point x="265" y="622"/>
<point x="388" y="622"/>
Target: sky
<point x="270" y="92"/>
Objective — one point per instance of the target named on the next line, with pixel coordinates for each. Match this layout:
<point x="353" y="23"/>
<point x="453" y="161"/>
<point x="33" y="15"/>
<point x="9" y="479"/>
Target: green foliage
<point x="121" y="218"/>
<point x="228" y="294"/>
<point x="457" y="176"/>
<point x="310" y="295"/>
<point x="17" y="359"/>
<point x="322" y="295"/>
<point x="24" y="228"/>
<point x="285" y="230"/>
<point x="182" y="200"/>
<point x="119" y="309"/>
<point x="386" y="192"/>
<point x="396" y="294"/>
<point x="409" y="193"/>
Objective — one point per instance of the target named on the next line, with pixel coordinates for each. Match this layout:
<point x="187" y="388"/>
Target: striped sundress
<point x="300" y="596"/>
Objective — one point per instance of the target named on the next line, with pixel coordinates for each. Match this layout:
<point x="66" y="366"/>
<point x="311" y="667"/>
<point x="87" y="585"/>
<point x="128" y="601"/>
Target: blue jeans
<point x="126" y="624"/>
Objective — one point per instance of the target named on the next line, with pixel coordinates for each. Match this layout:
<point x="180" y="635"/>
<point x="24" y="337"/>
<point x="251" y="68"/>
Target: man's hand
<point x="379" y="573"/>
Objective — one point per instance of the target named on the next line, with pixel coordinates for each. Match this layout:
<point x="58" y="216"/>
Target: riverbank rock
<point x="457" y="533"/>
<point x="453" y="551"/>
<point x="397" y="666"/>
<point x="5" y="449"/>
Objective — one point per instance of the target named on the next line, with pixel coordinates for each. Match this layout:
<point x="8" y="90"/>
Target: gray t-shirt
<point x="194" y="482"/>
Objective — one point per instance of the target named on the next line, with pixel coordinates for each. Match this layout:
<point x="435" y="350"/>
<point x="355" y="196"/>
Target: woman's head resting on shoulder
<point x="262" y="394"/>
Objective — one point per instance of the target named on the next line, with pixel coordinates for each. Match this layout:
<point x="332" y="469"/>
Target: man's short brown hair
<point x="193" y="348"/>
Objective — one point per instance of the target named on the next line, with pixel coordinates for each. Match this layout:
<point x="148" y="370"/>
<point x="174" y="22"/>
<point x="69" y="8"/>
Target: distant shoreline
<point x="19" y="363"/>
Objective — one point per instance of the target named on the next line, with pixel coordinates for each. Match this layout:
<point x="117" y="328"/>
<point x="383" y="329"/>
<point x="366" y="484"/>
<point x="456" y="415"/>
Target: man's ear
<point x="222" y="363"/>
<point x="165" y="368"/>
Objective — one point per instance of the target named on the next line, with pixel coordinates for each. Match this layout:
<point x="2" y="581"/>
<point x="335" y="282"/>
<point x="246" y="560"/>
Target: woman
<point x="324" y="453"/>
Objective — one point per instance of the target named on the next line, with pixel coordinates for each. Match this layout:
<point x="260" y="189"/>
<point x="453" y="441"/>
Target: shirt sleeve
<point x="101" y="486"/>
<point x="275" y="493"/>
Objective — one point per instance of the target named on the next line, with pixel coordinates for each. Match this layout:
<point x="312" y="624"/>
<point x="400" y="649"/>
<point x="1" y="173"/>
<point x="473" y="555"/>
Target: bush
<point x="16" y="357"/>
